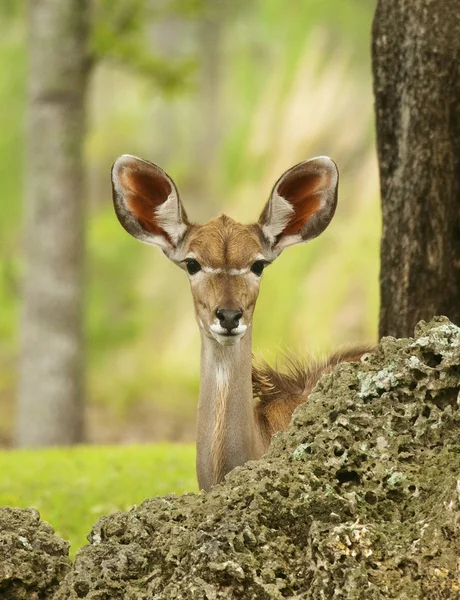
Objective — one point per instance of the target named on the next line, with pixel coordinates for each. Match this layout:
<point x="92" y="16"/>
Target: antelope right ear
<point x="147" y="203"/>
<point x="301" y="204"/>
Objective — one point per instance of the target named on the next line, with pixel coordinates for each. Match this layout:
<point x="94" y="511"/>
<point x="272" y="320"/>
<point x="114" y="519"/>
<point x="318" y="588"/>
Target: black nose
<point x="229" y="319"/>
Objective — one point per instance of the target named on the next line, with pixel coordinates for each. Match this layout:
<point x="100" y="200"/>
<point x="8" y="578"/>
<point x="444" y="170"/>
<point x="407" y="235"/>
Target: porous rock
<point x="359" y="498"/>
<point x="33" y="560"/>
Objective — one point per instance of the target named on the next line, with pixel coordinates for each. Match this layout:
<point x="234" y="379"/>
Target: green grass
<point x="73" y="487"/>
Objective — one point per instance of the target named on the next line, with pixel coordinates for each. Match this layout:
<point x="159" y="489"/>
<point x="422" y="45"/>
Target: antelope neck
<point x="226" y="429"/>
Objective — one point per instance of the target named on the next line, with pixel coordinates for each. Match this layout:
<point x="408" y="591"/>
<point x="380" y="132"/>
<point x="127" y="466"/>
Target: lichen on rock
<point x="33" y="560"/>
<point x="359" y="498"/>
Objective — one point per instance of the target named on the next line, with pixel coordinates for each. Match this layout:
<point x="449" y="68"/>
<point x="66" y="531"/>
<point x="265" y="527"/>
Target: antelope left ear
<point x="301" y="204"/>
<point x="147" y="203"/>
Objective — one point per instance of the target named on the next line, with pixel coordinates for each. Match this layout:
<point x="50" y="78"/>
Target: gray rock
<point x="360" y="498"/>
<point x="32" y="559"/>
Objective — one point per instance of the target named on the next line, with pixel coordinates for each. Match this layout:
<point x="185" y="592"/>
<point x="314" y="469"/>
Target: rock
<point x="359" y="498"/>
<point x="33" y="560"/>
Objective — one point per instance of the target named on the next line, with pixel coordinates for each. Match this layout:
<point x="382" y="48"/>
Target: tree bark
<point x="416" y="66"/>
<point x="50" y="399"/>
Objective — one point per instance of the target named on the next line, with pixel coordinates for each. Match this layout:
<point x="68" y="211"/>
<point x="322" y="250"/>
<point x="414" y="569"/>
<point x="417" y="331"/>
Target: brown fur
<point x="218" y="434"/>
<point x="301" y="206"/>
<point x="279" y="393"/>
<point x="224" y="243"/>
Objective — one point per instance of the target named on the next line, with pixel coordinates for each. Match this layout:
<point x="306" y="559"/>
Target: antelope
<point x="240" y="406"/>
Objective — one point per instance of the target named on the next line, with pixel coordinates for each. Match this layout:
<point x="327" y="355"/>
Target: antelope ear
<point x="147" y="202"/>
<point x="301" y="204"/>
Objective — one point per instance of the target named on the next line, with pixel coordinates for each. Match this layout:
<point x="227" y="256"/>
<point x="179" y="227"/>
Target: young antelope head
<point x="224" y="259"/>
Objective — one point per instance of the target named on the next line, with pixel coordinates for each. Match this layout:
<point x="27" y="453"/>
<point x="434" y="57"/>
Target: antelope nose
<point x="229" y="319"/>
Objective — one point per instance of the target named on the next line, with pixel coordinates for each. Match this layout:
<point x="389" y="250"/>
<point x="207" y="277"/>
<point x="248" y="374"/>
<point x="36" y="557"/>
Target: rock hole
<point x="361" y="458"/>
<point x="418" y="374"/>
<point x="448" y="533"/>
<point x="344" y="476"/>
<point x="318" y="472"/>
<point x="408" y="567"/>
<point x="412" y="489"/>
<point x="395" y="495"/>
<point x="338" y="451"/>
<point x="280" y="574"/>
<point x="445" y="398"/>
<point x="81" y="588"/>
<point x="431" y="359"/>
<point x="333" y="415"/>
<point x="412" y="385"/>
<point x="406" y="457"/>
<point x="370" y="498"/>
<point x="454" y="370"/>
<point x="426" y="412"/>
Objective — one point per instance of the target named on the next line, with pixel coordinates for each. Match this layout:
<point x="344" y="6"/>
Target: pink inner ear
<point x="304" y="194"/>
<point x="144" y="192"/>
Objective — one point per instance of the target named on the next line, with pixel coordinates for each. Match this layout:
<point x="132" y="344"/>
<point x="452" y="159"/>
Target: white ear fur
<point x="302" y="203"/>
<point x="279" y="215"/>
<point x="169" y="217"/>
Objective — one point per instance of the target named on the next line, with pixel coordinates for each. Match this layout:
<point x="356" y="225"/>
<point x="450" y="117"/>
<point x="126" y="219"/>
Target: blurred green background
<point x="263" y="85"/>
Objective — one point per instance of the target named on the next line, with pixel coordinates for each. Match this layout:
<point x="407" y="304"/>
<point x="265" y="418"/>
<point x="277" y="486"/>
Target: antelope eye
<point x="258" y="267"/>
<point x="192" y="266"/>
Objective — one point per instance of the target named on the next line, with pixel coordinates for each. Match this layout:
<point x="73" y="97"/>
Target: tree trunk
<point x="209" y="99"/>
<point x="168" y="37"/>
<point x="416" y="65"/>
<point x="50" y="403"/>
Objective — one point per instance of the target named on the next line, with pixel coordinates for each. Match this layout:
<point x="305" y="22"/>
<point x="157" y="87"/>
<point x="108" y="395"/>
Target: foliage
<point x="119" y="34"/>
<point x="294" y="83"/>
<point x="72" y="488"/>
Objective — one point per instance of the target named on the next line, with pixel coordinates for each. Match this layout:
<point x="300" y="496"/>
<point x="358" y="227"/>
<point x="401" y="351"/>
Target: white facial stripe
<point x="238" y="271"/>
<point x="218" y="271"/>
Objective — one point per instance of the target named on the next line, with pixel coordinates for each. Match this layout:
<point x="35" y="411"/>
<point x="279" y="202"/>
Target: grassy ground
<point x="73" y="487"/>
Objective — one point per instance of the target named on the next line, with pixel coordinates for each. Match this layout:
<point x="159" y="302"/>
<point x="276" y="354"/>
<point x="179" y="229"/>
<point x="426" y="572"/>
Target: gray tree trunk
<point x="209" y="111"/>
<point x="170" y="38"/>
<point x="416" y="65"/>
<point x="209" y="34"/>
<point x="50" y="402"/>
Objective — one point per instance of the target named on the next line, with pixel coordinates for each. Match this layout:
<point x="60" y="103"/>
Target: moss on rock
<point x="359" y="498"/>
<point x="32" y="559"/>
